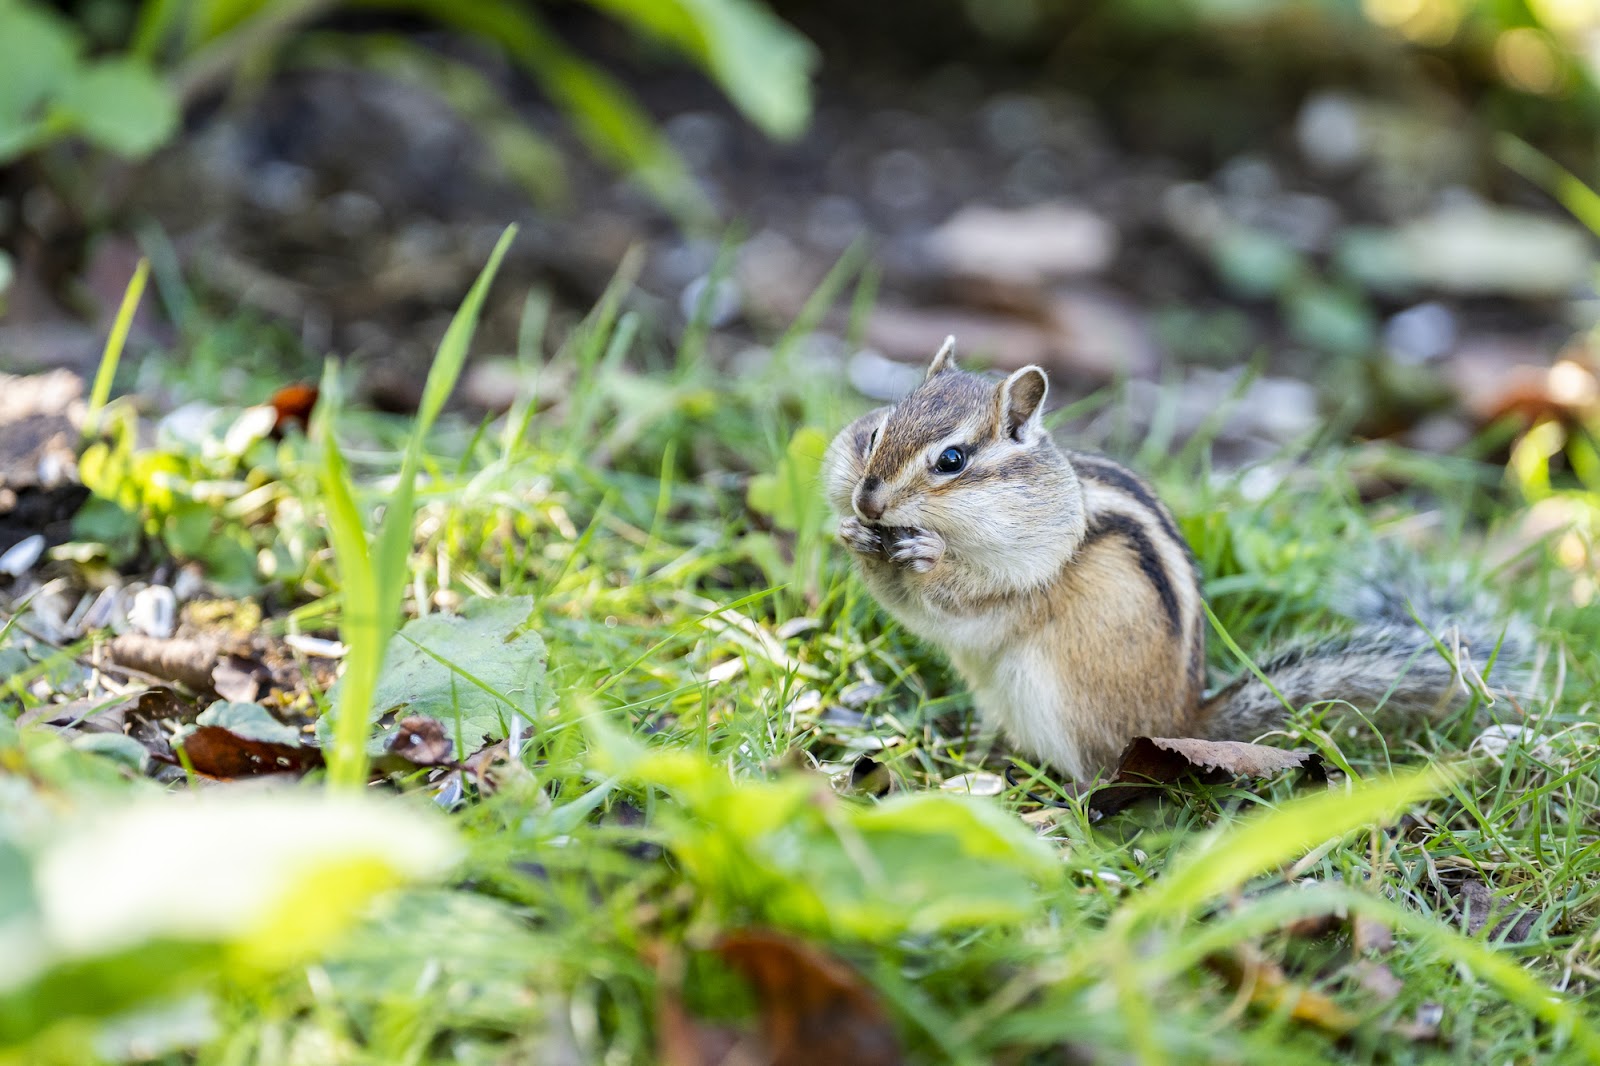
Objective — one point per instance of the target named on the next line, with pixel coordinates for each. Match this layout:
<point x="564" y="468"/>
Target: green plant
<point x="374" y="576"/>
<point x="762" y="64"/>
<point x="51" y="91"/>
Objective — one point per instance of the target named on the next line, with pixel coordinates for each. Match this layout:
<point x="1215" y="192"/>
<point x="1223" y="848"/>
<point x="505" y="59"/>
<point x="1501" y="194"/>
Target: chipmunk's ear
<point x="1021" y="401"/>
<point x="944" y="359"/>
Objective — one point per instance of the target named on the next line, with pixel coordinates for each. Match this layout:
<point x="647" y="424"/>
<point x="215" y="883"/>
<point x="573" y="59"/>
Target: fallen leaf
<point x="814" y="1007"/>
<point x="187" y="661"/>
<point x="1511" y="924"/>
<point x="867" y="777"/>
<point x="681" y="1038"/>
<point x="40" y="417"/>
<point x="1167" y="760"/>
<point x="422" y="741"/>
<point x="244" y="740"/>
<point x="216" y="752"/>
<point x="1376" y="978"/>
<point x="292" y="405"/>
<point x="239" y="679"/>
<point x="1269" y="988"/>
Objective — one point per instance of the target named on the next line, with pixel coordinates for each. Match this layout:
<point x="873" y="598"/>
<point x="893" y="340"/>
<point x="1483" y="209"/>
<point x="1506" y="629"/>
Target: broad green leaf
<point x="790" y="495"/>
<point x="106" y="522"/>
<point x="605" y="115"/>
<point x="249" y="720"/>
<point x="763" y="64"/>
<point x="188" y="529"/>
<point x="38" y="55"/>
<point x="475" y="672"/>
<point x="139" y="902"/>
<point x="122" y="106"/>
<point x="800" y="857"/>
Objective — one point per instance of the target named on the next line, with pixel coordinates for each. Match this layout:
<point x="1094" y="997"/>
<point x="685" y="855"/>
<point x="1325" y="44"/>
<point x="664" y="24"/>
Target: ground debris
<point x="40" y="419"/>
<point x="1267" y="986"/>
<point x="1507" y="923"/>
<point x="1150" y="761"/>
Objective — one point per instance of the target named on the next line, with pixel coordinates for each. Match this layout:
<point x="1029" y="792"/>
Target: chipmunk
<point x="1060" y="587"/>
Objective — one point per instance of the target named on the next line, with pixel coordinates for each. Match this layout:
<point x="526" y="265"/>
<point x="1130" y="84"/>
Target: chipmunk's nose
<point x="870" y="499"/>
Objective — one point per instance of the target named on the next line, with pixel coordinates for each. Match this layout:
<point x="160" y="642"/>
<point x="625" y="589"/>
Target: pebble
<point x="20" y="557"/>
<point x="900" y="180"/>
<point x="1420" y="334"/>
<point x="1331" y="134"/>
<point x="878" y="377"/>
<point x="975" y="784"/>
<point x="154" y="612"/>
<point x="717" y="310"/>
<point x="1025" y="246"/>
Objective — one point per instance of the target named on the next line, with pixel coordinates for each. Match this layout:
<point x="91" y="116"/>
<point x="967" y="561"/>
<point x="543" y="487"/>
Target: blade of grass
<point x="112" y="354"/>
<point x="373" y="584"/>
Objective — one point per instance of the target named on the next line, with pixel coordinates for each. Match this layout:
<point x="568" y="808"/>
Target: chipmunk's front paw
<point x="860" y="537"/>
<point x="918" y="550"/>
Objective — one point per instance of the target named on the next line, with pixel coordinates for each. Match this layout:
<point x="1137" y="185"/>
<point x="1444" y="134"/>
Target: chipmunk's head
<point x="968" y="457"/>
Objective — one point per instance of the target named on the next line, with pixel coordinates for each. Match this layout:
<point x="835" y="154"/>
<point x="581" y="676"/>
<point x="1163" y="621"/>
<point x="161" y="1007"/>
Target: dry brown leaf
<point x="215" y="751"/>
<point x="240" y="679"/>
<point x="1376" y="978"/>
<point x="422" y="741"/>
<point x="292" y="406"/>
<point x="814" y="1007"/>
<point x="184" y="660"/>
<point x="1511" y="924"/>
<point x="1369" y="934"/>
<point x="1271" y="989"/>
<point x="1167" y="760"/>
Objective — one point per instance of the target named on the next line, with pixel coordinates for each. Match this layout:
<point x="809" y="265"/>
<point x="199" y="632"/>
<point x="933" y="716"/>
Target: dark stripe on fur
<point x="1098" y="468"/>
<point x="1121" y="525"/>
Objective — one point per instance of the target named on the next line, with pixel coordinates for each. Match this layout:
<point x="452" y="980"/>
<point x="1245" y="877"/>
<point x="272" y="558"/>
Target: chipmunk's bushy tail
<point x="1413" y="652"/>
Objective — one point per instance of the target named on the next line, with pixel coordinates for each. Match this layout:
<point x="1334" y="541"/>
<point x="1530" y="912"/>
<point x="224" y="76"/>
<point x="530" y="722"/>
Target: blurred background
<point x="1370" y="214"/>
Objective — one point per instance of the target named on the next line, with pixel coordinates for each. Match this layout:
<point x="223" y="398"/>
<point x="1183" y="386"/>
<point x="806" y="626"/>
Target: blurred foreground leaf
<point x="799" y="857"/>
<point x="107" y="912"/>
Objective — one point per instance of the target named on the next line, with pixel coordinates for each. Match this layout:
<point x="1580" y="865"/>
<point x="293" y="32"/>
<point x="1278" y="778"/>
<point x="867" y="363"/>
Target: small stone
<point x="700" y="137"/>
<point x="1013" y="122"/>
<point x="807" y="701"/>
<point x="879" y="378"/>
<point x="975" y="784"/>
<point x="842" y="718"/>
<point x="20" y="557"/>
<point x="715" y="310"/>
<point x="1331" y="133"/>
<point x="901" y="180"/>
<point x="861" y="693"/>
<point x="315" y="647"/>
<point x="1027" y="246"/>
<point x="1495" y="251"/>
<point x="796" y="627"/>
<point x="1420" y="334"/>
<point x="154" y="612"/>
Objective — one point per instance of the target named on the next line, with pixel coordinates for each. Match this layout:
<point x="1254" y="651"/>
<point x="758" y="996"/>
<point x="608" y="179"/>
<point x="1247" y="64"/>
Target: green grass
<point x="699" y="650"/>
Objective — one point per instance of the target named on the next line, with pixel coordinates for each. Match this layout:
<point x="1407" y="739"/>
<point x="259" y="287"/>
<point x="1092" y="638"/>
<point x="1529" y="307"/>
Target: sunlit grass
<point x="684" y="622"/>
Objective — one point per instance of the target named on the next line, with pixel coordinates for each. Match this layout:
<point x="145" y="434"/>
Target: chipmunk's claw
<point x="918" y="550"/>
<point x="860" y="537"/>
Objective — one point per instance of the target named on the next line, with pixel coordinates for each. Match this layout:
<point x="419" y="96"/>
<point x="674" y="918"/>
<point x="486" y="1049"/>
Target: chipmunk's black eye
<point x="950" y="461"/>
